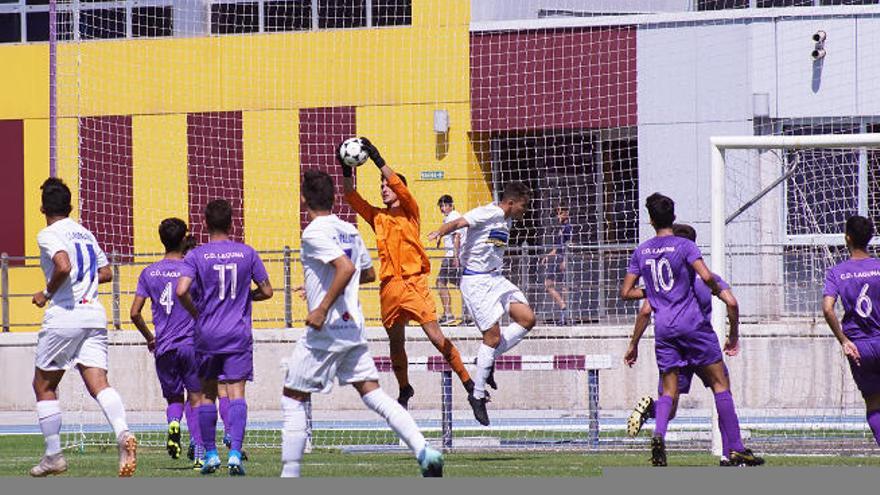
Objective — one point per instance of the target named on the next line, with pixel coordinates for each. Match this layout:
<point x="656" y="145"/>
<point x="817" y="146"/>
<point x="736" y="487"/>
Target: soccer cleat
<point x="172" y="444"/>
<point x="211" y="463"/>
<point x="127" y="445"/>
<point x="227" y="441"/>
<point x="431" y="463"/>
<point x="191" y="452"/>
<point x="644" y="409"/>
<point x="724" y="462"/>
<point x="490" y="380"/>
<point x="406" y="393"/>
<point x="745" y="457"/>
<point x="658" y="452"/>
<point x="198" y="464"/>
<point x="449" y="321"/>
<point x="479" y="407"/>
<point x="49" y="464"/>
<point x="244" y="455"/>
<point x="236" y="468"/>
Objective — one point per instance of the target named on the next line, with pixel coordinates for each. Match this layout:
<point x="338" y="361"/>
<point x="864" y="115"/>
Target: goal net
<point x="780" y="205"/>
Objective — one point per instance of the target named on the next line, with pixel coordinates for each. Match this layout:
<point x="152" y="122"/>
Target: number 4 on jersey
<point x="167" y="299"/>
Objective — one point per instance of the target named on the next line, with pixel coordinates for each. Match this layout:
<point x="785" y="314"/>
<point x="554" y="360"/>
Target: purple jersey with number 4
<point x="665" y="265"/>
<point x="857" y="284"/>
<point x="222" y="272"/>
<point x="174" y="325"/>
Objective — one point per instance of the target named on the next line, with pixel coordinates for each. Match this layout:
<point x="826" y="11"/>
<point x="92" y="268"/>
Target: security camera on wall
<point x="819" y="36"/>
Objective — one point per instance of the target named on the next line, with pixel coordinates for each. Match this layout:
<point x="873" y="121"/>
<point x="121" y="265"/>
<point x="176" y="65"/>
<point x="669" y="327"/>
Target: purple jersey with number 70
<point x="665" y="265"/>
<point x="857" y="284"/>
<point x="222" y="272"/>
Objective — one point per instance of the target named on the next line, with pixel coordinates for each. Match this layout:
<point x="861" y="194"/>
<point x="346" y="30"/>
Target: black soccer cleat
<point x="745" y="457"/>
<point x="490" y="380"/>
<point x="406" y="393"/>
<point x="479" y="407"/>
<point x="724" y="462"/>
<point x="658" y="451"/>
<point x="191" y="452"/>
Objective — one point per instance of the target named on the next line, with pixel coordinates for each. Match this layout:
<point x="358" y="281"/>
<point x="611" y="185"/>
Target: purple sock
<point x="237" y="422"/>
<point x="662" y="407"/>
<point x="224" y="412"/>
<point x="208" y="425"/>
<point x="174" y="412"/>
<point x="192" y="422"/>
<point x="874" y="423"/>
<point x="725" y="440"/>
<point x="728" y="421"/>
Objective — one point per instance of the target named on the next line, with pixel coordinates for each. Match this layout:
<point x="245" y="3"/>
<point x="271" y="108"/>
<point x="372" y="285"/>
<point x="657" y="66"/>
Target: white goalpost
<point x="765" y="183"/>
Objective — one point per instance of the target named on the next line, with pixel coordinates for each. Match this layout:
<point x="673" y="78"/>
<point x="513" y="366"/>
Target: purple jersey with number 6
<point x="223" y="271"/>
<point x="174" y="325"/>
<point x="665" y="265"/>
<point x="857" y="284"/>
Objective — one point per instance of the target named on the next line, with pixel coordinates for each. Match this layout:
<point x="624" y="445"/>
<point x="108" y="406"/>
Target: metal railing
<point x="589" y="284"/>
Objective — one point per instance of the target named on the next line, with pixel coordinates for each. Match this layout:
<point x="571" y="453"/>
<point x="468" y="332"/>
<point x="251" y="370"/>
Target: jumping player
<point x="403" y="293"/>
<point x="487" y="294"/>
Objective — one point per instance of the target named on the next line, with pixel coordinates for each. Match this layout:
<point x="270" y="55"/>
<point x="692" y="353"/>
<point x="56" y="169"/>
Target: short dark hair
<point x="684" y="230"/>
<point x="516" y="191"/>
<point x="445" y="200"/>
<point x="860" y="231"/>
<point x="318" y="190"/>
<point x="172" y="232"/>
<point x="218" y="215"/>
<point x="661" y="209"/>
<point x="399" y="175"/>
<point x="55" y="197"/>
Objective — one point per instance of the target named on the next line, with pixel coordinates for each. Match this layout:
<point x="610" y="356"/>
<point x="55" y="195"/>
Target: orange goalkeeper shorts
<point x="407" y="299"/>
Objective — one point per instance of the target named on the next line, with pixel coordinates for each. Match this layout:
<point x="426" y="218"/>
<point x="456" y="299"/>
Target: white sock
<point x="293" y="437"/>
<point x="49" y="414"/>
<point x="485" y="360"/>
<point x="397" y="418"/>
<point x="510" y="337"/>
<point x="114" y="410"/>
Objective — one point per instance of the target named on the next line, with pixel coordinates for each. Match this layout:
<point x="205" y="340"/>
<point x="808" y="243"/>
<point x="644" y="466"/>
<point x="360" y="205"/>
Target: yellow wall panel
<point x="67" y="157"/>
<point x="271" y="179"/>
<point x="24" y="87"/>
<point x="159" y="176"/>
<point x="36" y="170"/>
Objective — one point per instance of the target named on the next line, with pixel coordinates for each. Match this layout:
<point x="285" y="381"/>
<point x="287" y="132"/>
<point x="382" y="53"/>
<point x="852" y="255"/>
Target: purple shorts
<point x="230" y="367"/>
<point x="693" y="349"/>
<point x="685" y="377"/>
<point x="178" y="370"/>
<point x="867" y="376"/>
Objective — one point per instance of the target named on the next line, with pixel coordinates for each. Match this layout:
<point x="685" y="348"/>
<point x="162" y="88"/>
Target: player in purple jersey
<point x="222" y="271"/>
<point x="683" y="336"/>
<point x="172" y="343"/>
<point x="645" y="407"/>
<point x="856" y="282"/>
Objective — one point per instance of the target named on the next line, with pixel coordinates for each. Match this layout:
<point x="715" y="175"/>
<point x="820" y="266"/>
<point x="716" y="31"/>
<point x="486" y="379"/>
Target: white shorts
<point x="488" y="297"/>
<point x="313" y="370"/>
<point x="61" y="348"/>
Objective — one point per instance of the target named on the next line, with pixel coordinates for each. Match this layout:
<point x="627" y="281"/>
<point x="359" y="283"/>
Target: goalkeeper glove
<point x="373" y="153"/>
<point x="347" y="171"/>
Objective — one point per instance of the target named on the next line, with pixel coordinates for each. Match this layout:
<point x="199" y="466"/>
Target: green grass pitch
<point x="20" y="452"/>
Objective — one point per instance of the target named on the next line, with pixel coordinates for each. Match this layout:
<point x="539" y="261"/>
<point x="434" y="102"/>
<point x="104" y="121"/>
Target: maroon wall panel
<point x="216" y="167"/>
<point x="12" y="200"/>
<point x="551" y="79"/>
<point x="320" y="132"/>
<point x="105" y="188"/>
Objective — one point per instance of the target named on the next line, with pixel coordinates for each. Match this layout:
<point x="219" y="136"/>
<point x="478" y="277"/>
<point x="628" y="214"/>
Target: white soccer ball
<point x="352" y="152"/>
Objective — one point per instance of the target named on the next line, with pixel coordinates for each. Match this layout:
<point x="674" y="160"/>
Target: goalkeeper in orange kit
<point x="404" y="293"/>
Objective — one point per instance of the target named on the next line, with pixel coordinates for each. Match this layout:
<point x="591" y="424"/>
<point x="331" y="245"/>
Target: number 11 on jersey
<point x="221" y="272"/>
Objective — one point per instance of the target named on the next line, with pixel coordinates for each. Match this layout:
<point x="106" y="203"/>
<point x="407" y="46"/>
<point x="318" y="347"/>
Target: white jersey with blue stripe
<point x="487" y="236"/>
<point x="75" y="304"/>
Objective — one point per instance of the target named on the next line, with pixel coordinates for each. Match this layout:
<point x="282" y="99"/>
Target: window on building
<point x="235" y="18"/>
<point x="152" y="22"/>
<point x="287" y="15"/>
<point x="336" y="14"/>
<point x="392" y="12"/>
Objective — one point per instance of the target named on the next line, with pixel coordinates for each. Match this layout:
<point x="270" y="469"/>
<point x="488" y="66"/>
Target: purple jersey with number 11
<point x="222" y="272"/>
<point x="857" y="283"/>
<point x="665" y="265"/>
<point x="174" y="325"/>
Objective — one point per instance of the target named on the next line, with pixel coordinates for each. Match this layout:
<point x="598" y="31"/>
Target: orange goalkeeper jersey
<point x="397" y="232"/>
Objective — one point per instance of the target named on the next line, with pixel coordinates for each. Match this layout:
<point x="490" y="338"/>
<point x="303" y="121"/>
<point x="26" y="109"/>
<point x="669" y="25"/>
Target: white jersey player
<point x="487" y="294"/>
<point x="74" y="330"/>
<point x="335" y="261"/>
